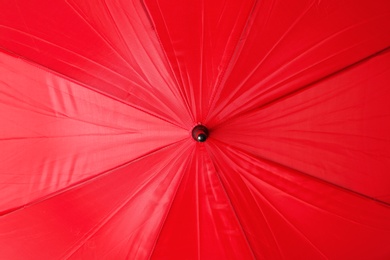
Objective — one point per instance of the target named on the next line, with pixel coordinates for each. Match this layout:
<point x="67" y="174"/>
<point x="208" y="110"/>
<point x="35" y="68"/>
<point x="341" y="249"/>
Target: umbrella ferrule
<point x="200" y="133"/>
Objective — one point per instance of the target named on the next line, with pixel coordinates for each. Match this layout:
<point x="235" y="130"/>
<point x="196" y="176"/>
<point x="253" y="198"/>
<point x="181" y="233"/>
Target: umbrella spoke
<point x="200" y="47"/>
<point x="139" y="46"/>
<point x="274" y="67"/>
<point x="170" y="129"/>
<point x="290" y="199"/>
<point x="88" y="216"/>
<point x="201" y="217"/>
<point x="331" y="136"/>
<point x="103" y="69"/>
<point x="248" y="211"/>
<point x="75" y="124"/>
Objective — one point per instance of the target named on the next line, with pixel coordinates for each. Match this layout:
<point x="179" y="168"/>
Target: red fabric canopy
<point x="98" y="100"/>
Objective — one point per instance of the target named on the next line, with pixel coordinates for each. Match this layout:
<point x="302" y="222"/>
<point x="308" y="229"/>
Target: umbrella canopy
<point x="170" y="129"/>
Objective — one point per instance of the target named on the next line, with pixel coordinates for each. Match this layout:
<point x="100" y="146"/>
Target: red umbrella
<point x="172" y="129"/>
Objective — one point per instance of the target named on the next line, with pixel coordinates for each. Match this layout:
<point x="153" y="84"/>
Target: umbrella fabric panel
<point x="117" y="215"/>
<point x="287" y="46"/>
<point x="340" y="124"/>
<point x="199" y="47"/>
<point x="202" y="223"/>
<point x="288" y="215"/>
<point x="56" y="133"/>
<point x="97" y="103"/>
<point x="110" y="46"/>
<point x="96" y="219"/>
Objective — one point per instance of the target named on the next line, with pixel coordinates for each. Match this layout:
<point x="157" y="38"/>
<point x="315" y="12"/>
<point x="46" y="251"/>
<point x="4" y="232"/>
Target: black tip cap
<point x="200" y="133"/>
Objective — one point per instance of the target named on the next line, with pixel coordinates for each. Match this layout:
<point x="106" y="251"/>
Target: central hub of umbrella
<point x="200" y="133"/>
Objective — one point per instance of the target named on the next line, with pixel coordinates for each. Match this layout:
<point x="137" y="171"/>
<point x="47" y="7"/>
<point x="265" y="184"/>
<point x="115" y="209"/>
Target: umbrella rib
<point x="169" y="209"/>
<point x="307" y="175"/>
<point x="183" y="93"/>
<point x="86" y="181"/>
<point x="266" y="221"/>
<point x="61" y="136"/>
<point x="63" y="49"/>
<point x="47" y="111"/>
<point x="229" y="64"/>
<point x="81" y="84"/>
<point x="198" y="224"/>
<point x="107" y="41"/>
<point x="271" y="50"/>
<point x="313" y="179"/>
<point x="285" y="219"/>
<point x="175" y="91"/>
<point x="249" y="182"/>
<point x="154" y="64"/>
<point x="145" y="81"/>
<point x="201" y="76"/>
<point x="114" y="213"/>
<point x="135" y="107"/>
<point x="306" y="86"/>
<point x="122" y="37"/>
<point x="231" y="203"/>
<point x="316" y="45"/>
<point x="292" y="25"/>
<point x="260" y="209"/>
